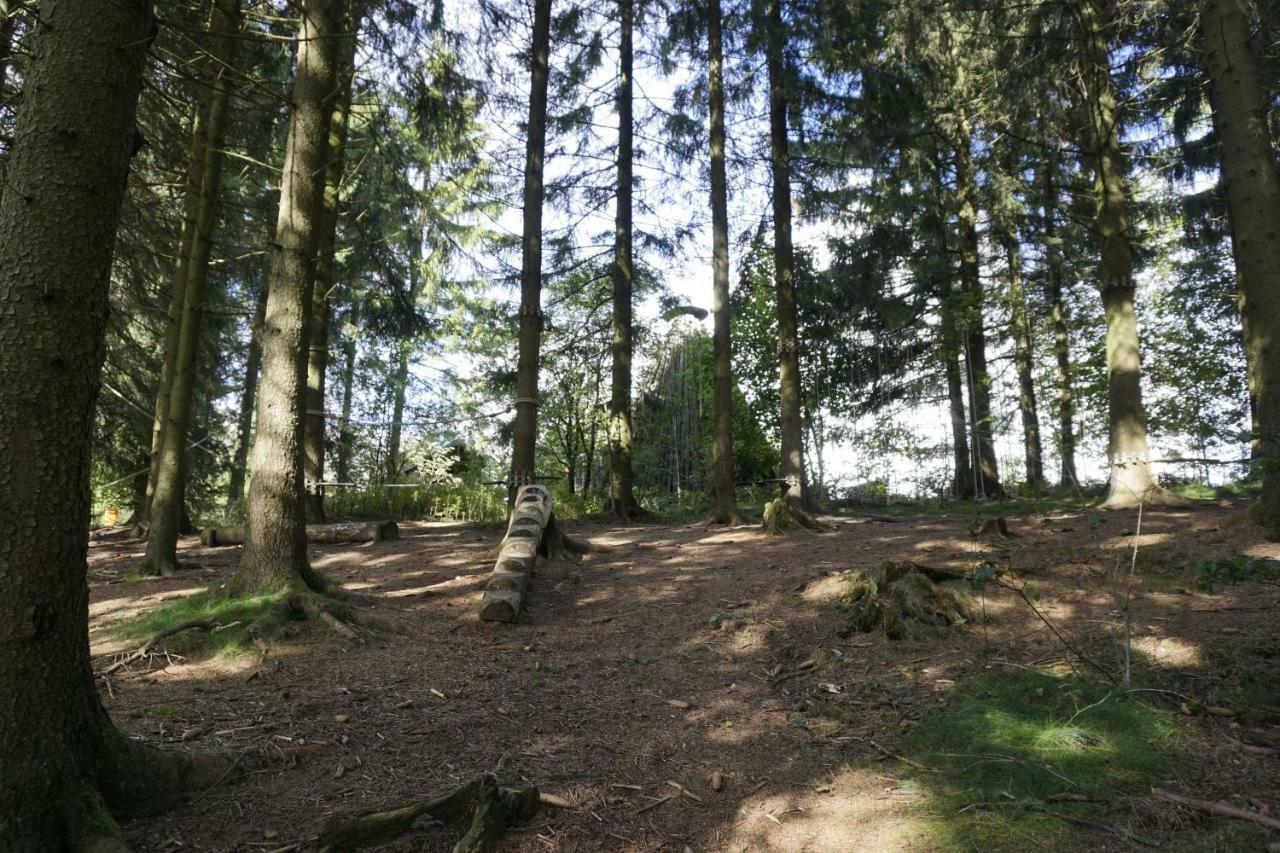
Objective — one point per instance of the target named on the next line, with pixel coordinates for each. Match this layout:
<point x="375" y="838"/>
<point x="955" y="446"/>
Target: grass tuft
<point x="268" y="616"/>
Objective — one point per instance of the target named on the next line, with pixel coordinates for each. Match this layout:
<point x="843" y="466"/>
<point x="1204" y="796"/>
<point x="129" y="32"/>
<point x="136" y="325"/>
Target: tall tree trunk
<point x="1061" y="339"/>
<point x="275" y="547"/>
<point x="178" y="291"/>
<point x="973" y="329"/>
<point x="724" y="503"/>
<point x="8" y="21"/>
<point x="789" y="391"/>
<point x="1132" y="481"/>
<point x="399" y="387"/>
<point x="1240" y="110"/>
<point x="346" y="436"/>
<point x="248" y="397"/>
<point x="622" y="501"/>
<point x="525" y="440"/>
<point x="1023" y="355"/>
<point x="59" y="207"/>
<point x="962" y="480"/>
<point x="167" y="501"/>
<point x="339" y="107"/>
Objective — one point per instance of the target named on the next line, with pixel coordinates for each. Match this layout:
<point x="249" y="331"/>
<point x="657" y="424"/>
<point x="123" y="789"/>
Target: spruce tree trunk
<point x="346" y="436"/>
<point x="1240" y="110"/>
<point x="399" y="385"/>
<point x="1023" y="354"/>
<point x="525" y="440"/>
<point x="178" y="291"/>
<point x="1061" y="339"/>
<point x="973" y="329"/>
<point x="962" y="482"/>
<point x="59" y="207"/>
<point x="275" y="548"/>
<point x="166" y="520"/>
<point x="8" y="20"/>
<point x="339" y="107"/>
<point x="1132" y="481"/>
<point x="248" y="397"/>
<point x="789" y="390"/>
<point x="724" y="503"/>
<point x="622" y="501"/>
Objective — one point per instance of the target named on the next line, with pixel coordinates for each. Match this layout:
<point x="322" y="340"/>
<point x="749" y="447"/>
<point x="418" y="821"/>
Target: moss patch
<point x="268" y="616"/>
<point x="1029" y="755"/>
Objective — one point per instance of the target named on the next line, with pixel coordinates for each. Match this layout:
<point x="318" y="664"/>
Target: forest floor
<point x="685" y="652"/>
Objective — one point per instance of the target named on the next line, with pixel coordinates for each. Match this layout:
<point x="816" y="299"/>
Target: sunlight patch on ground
<point x="1169" y="651"/>
<point x="850" y="810"/>
<point x="126" y="606"/>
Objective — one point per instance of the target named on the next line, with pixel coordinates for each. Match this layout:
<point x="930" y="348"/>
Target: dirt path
<point x="683" y="653"/>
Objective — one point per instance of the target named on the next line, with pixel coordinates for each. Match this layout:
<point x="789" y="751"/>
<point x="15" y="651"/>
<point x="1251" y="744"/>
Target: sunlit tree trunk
<point x="60" y="204"/>
<point x="346" y="436"/>
<point x="1132" y="481"/>
<point x="525" y="439"/>
<point x="622" y="500"/>
<point x="973" y="328"/>
<point x="789" y="391"/>
<point x="1061" y="338"/>
<point x="724" y="505"/>
<point x="167" y="501"/>
<point x="275" y="547"/>
<point x="248" y="397"/>
<point x="1023" y="355"/>
<point x="399" y="389"/>
<point x="318" y="338"/>
<point x="1240" y="110"/>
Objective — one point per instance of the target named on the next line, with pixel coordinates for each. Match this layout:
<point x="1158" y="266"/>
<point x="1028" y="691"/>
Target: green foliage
<point x="1235" y="568"/>
<point x="1007" y="742"/>
<point x="458" y="501"/>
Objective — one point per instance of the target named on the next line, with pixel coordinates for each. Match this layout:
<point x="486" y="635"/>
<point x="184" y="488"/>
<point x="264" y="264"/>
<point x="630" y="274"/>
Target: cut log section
<point x="517" y="555"/>
<point x="320" y="534"/>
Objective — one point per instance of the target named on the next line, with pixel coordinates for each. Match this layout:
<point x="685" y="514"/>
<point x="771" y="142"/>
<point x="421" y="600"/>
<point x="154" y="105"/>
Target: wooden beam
<point x="517" y="555"/>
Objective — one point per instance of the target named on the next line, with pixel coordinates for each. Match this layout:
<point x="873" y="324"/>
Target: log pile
<point x="517" y="555"/>
<point x="319" y="534"/>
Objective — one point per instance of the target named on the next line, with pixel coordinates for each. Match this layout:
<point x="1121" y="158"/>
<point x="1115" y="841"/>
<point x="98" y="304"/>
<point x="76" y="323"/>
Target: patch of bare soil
<point x="639" y="674"/>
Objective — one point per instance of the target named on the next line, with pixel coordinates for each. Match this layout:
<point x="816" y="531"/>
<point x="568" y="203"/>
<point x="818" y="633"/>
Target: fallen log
<point x="319" y="534"/>
<point x="1221" y="809"/>
<point x="485" y="808"/>
<point x="517" y="555"/>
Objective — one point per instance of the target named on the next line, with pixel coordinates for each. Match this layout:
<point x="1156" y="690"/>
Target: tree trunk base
<point x="781" y="517"/>
<point x="1156" y="496"/>
<point x="485" y="808"/>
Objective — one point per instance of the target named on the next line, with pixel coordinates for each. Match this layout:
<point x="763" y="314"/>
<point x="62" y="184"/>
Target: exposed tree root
<point x="1154" y="496"/>
<point x="558" y="545"/>
<point x="782" y="517"/>
<point x="486" y="809"/>
<point x="141" y="652"/>
<point x="732" y="519"/>
<point x="904" y="599"/>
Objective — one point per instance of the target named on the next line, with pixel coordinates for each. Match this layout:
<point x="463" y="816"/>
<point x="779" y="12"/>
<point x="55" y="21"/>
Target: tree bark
<point x="399" y="387"/>
<point x="248" y="397"/>
<point x="1061" y="339"/>
<point x="8" y="20"/>
<point x="1132" y="481"/>
<point x="973" y="330"/>
<point x="275" y="549"/>
<point x="1240" y="110"/>
<point x="724" y="503"/>
<point x="339" y="107"/>
<point x="789" y="390"/>
<point x="622" y="501"/>
<point x="1023" y="354"/>
<point x="167" y="501"/>
<point x="59" y="207"/>
<point x="346" y="436"/>
<point x="525" y="439"/>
